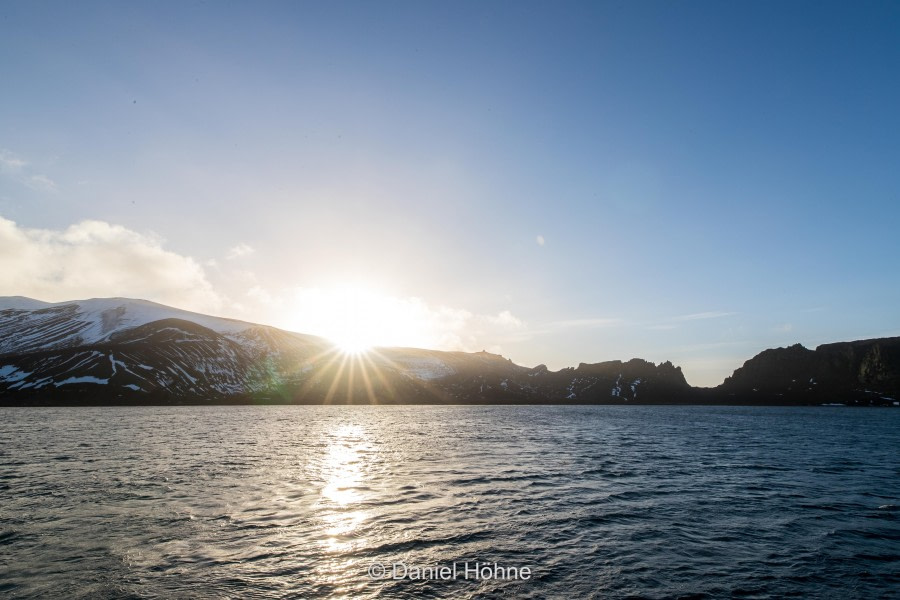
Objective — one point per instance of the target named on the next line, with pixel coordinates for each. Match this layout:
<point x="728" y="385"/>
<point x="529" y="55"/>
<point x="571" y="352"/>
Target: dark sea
<point x="450" y="502"/>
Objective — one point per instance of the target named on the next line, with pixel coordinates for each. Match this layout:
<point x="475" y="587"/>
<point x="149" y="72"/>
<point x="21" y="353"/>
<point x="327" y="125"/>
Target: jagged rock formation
<point x="120" y="351"/>
<point x="860" y="372"/>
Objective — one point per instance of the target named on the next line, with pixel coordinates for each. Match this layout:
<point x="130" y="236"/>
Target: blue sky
<point x="559" y="182"/>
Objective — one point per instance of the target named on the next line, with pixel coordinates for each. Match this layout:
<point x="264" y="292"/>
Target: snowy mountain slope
<point x="135" y="346"/>
<point x="22" y="303"/>
<point x="28" y="325"/>
<point x="177" y="356"/>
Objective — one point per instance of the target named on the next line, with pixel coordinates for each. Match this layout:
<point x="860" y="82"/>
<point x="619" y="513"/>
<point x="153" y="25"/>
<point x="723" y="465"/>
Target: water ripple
<point x="599" y="502"/>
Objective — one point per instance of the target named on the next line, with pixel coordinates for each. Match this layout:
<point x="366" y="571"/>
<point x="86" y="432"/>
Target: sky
<point x="558" y="182"/>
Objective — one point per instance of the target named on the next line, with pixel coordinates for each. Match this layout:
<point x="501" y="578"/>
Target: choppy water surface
<point x="301" y="502"/>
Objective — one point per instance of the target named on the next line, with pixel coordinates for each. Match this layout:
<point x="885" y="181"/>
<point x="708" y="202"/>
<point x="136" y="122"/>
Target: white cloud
<point x="98" y="259"/>
<point x="239" y="251"/>
<point x="540" y="240"/>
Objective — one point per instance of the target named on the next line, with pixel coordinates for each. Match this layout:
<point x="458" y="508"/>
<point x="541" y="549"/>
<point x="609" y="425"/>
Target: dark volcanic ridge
<point x="121" y="351"/>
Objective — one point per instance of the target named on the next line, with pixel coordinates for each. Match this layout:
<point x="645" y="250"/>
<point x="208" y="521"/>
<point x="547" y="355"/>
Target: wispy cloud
<point x="704" y="315"/>
<point x="41" y="183"/>
<point x="585" y="323"/>
<point x="677" y="321"/>
<point x="239" y="251"/>
<point x="553" y="327"/>
<point x="18" y="169"/>
<point x="260" y="294"/>
<point x="690" y="348"/>
<point x="10" y="163"/>
<point x="506" y="319"/>
<point x="813" y="309"/>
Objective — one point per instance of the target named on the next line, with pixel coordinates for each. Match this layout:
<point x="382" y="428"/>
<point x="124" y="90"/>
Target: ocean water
<point x="449" y="502"/>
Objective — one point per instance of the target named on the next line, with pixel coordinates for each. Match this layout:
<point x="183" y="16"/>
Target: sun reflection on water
<point x="344" y="477"/>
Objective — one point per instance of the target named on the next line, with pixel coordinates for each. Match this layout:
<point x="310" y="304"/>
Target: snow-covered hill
<point x="28" y="325"/>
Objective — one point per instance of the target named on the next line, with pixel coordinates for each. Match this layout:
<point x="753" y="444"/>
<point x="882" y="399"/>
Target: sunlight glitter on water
<point x="297" y="502"/>
<point x="343" y="471"/>
<point x="342" y="467"/>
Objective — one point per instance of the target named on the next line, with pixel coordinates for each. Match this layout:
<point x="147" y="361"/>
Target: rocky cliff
<point x="860" y="372"/>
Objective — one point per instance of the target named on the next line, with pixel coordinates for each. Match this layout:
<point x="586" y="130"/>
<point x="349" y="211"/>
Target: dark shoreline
<point x="20" y="403"/>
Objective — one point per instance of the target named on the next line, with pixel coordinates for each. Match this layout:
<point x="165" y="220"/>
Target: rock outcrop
<point x="860" y="372"/>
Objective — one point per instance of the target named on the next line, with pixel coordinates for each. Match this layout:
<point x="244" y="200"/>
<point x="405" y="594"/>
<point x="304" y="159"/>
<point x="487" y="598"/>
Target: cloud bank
<point x="96" y="259"/>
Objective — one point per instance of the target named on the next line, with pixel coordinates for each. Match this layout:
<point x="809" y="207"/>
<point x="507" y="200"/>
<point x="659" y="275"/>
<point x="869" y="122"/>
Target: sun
<point x="352" y="341"/>
<point x="357" y="318"/>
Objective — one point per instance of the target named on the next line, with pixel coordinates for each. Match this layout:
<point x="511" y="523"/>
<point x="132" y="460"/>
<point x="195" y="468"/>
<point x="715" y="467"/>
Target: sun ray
<point x="332" y="355"/>
<point x="378" y="372"/>
<point x="336" y="381"/>
<point x="351" y="377"/>
<point x="437" y="395"/>
<point x="370" y="392"/>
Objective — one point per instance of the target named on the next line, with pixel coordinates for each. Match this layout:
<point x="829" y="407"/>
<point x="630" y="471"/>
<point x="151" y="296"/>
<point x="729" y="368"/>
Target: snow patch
<point x="634" y="387"/>
<point x="617" y="389"/>
<point x="84" y="379"/>
<point x="11" y="373"/>
<point x="113" y="362"/>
